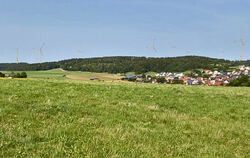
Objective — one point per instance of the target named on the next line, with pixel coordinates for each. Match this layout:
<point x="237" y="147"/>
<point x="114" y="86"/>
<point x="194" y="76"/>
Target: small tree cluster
<point x="161" y="80"/>
<point x="19" y="75"/>
<point x="2" y="74"/>
<point x="242" y="81"/>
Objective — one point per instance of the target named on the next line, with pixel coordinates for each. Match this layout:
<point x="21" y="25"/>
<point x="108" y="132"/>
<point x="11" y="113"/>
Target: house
<point x="199" y="78"/>
<point x="218" y="79"/>
<point x="216" y="73"/>
<point x="185" y="80"/>
<point x="208" y="72"/>
<point x="246" y="72"/>
<point x="139" y="79"/>
<point x="129" y="77"/>
<point x="154" y="81"/>
<point x="212" y="82"/>
<point x="190" y="82"/>
<point x="234" y="77"/>
<point x="207" y="82"/>
<point x="224" y="77"/>
<point x="218" y="83"/>
<point x="242" y="67"/>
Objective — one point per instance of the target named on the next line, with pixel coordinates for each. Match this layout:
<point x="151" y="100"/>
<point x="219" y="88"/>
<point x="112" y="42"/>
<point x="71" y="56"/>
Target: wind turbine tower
<point x="222" y="54"/>
<point x="171" y="49"/>
<point x="241" y="47"/>
<point x="17" y="55"/>
<point x="153" y="48"/>
<point x="79" y="52"/>
<point x="188" y="52"/>
<point x="40" y="51"/>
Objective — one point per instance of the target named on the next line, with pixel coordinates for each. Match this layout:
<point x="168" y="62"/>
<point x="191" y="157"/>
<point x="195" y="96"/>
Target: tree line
<point x="121" y="64"/>
<point x="242" y="81"/>
<point x="14" y="75"/>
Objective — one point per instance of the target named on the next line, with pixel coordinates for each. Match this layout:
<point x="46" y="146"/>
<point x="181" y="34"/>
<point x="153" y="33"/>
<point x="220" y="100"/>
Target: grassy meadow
<point x="59" y="74"/>
<point x="48" y="115"/>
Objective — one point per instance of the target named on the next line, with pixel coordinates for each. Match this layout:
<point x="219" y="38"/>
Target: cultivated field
<point x="53" y="116"/>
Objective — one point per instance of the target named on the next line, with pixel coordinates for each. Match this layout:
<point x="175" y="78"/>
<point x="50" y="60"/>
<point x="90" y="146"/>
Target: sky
<point x="96" y="28"/>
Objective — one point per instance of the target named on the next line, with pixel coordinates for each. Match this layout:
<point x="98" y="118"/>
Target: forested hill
<point x="130" y="64"/>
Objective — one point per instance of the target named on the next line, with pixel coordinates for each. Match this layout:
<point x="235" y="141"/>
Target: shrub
<point x="18" y="75"/>
<point x="241" y="81"/>
<point x="177" y="81"/>
<point x="12" y="74"/>
<point x="161" y="80"/>
<point x="2" y="74"/>
<point x="23" y="75"/>
<point x="206" y="75"/>
<point x="132" y="79"/>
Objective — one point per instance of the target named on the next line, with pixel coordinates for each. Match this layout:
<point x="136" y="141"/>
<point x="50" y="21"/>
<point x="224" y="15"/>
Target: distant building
<point x="94" y="79"/>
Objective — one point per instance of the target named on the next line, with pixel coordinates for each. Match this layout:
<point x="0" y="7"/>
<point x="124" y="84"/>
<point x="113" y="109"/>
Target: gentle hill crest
<point x="123" y="64"/>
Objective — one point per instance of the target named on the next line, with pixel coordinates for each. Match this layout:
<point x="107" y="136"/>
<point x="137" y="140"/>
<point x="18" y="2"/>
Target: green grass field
<point x="60" y="117"/>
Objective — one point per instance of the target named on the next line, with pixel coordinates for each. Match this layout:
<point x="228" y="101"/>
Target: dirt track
<point x="96" y="75"/>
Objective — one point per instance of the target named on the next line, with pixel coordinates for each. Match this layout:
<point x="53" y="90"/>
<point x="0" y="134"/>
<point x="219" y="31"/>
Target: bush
<point x="161" y="80"/>
<point x="177" y="81"/>
<point x="241" y="81"/>
<point x="132" y="79"/>
<point x="23" y="75"/>
<point x="12" y="74"/>
<point x="206" y="75"/>
<point x="19" y="75"/>
<point x="2" y="74"/>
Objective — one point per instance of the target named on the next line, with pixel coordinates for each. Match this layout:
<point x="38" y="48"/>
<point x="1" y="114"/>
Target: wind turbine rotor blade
<point x="42" y="45"/>
<point x="155" y="50"/>
<point x="154" y="41"/>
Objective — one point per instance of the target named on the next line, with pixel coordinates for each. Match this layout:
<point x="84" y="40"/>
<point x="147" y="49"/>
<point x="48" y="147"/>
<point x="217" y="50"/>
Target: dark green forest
<point x="120" y="64"/>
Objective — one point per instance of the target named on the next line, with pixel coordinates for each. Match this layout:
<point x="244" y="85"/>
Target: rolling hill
<point x="118" y="64"/>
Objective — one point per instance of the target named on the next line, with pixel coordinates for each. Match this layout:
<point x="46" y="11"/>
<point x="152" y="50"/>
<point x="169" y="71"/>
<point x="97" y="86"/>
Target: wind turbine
<point x="188" y="52"/>
<point x="40" y="51"/>
<point x="79" y="52"/>
<point x="196" y="52"/>
<point x="241" y="46"/>
<point x="153" y="48"/>
<point x="171" y="49"/>
<point x="222" y="54"/>
<point x="17" y="55"/>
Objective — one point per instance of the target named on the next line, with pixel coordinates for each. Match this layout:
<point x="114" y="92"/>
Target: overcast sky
<point x="123" y="28"/>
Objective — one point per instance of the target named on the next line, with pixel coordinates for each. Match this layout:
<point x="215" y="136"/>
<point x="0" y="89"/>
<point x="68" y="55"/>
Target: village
<point x="205" y="77"/>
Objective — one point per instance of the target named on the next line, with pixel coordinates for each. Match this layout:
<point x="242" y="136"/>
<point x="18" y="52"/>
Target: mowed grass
<point x="60" y="118"/>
